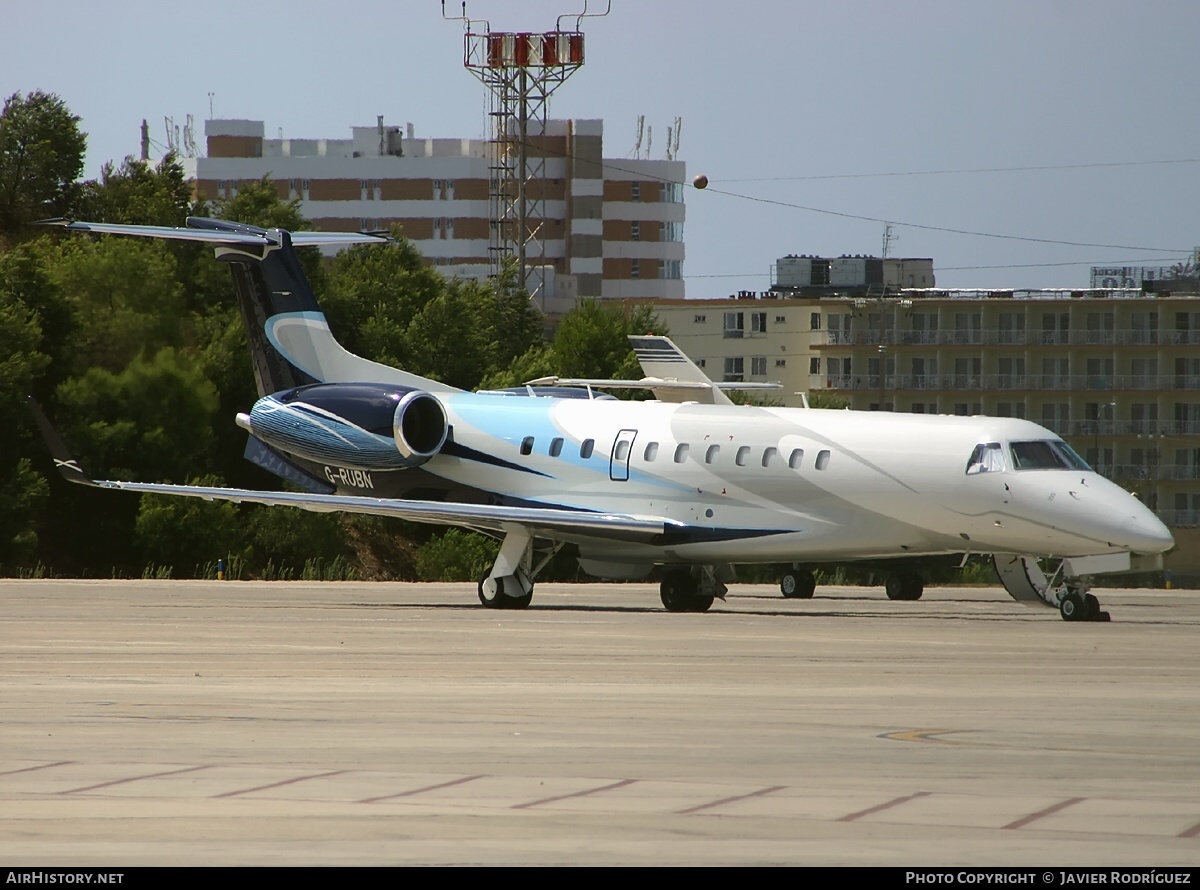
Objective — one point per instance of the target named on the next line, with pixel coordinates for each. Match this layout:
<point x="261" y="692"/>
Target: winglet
<point x="67" y="465"/>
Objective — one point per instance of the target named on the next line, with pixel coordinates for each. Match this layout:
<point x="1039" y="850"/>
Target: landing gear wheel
<point x="798" y="585"/>
<point x="492" y="593"/>
<point x="678" y="592"/>
<point x="1091" y="607"/>
<point x="904" y="587"/>
<point x="1073" y="607"/>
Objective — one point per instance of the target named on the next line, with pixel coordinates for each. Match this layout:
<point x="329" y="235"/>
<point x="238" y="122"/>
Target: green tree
<point x="592" y="340"/>
<point x="186" y="533"/>
<point x="22" y="489"/>
<point x="139" y="193"/>
<point x="41" y="157"/>
<point x="126" y="298"/>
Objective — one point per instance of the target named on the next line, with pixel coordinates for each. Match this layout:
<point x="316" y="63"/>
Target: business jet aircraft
<point x="689" y="482"/>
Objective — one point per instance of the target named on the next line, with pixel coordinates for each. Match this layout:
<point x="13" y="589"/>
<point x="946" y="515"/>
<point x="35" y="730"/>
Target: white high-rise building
<point x="611" y="228"/>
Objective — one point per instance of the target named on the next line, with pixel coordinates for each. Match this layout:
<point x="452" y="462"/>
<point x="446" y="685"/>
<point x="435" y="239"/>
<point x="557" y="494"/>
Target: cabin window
<point x="585" y="448"/>
<point x="796" y="458"/>
<point x="822" y="459"/>
<point x="743" y="455"/>
<point x="681" y="452"/>
<point x="711" y="454"/>
<point x="770" y="455"/>
<point x="527" y="445"/>
<point x="651" y="451"/>
<point x="622" y="450"/>
<point x="556" y="446"/>
<point x="986" y="458"/>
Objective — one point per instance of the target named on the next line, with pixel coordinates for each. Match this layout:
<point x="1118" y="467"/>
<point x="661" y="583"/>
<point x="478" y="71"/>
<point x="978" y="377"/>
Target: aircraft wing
<point x="654" y="383"/>
<point x="670" y="375"/>
<point x="539" y="521"/>
<point x="201" y="229"/>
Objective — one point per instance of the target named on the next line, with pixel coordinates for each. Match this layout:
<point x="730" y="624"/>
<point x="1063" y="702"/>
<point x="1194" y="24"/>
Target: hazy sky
<point x="789" y="108"/>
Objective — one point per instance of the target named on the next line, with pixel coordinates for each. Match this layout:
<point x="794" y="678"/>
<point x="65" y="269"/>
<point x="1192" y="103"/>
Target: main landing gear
<point x="509" y="584"/>
<point x="904" y="586"/>
<point x="798" y="584"/>
<point x="690" y="589"/>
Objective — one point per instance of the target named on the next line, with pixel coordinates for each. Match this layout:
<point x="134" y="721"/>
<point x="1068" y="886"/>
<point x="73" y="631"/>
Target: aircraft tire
<point x="499" y="599"/>
<point x="797" y="585"/>
<point x="1091" y="608"/>
<point x="913" y="586"/>
<point x="678" y="592"/>
<point x="1072" y="607"/>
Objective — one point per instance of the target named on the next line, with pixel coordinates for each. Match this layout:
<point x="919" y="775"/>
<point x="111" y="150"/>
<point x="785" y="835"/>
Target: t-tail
<point x="291" y="344"/>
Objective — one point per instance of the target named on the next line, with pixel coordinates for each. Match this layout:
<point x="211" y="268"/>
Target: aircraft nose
<point x="1147" y="534"/>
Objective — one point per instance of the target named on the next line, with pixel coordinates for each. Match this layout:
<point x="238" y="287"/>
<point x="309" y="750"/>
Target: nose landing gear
<point x="1077" y="606"/>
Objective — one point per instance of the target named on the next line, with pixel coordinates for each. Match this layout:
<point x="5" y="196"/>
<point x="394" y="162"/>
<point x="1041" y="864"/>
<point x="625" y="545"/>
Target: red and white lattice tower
<point x="521" y="70"/>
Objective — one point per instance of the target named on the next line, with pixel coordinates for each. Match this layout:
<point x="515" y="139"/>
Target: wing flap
<point x="484" y="517"/>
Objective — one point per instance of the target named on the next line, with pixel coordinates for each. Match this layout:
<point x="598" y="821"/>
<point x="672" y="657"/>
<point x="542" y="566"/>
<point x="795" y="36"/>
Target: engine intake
<point x="365" y="426"/>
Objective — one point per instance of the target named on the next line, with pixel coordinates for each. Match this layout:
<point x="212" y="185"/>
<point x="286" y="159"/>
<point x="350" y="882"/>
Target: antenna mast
<point x="521" y="70"/>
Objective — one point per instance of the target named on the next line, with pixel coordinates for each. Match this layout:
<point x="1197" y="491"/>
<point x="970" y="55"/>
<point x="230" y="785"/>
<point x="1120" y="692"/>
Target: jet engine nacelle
<point x="365" y="426"/>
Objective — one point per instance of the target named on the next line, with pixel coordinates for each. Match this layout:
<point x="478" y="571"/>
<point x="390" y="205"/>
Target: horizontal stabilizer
<point x="216" y="232"/>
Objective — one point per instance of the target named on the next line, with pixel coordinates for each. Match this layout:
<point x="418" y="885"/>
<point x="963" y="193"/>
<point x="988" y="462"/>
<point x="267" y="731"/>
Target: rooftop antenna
<point x="189" y="138"/>
<point x="641" y="131"/>
<point x="649" y="139"/>
<point x="888" y="239"/>
<point x="172" y="134"/>
<point x="210" y="105"/>
<point x="521" y="70"/>
<point x="673" y="139"/>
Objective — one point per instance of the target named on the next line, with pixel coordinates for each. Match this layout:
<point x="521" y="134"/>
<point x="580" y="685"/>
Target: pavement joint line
<point x="887" y="805"/>
<point x="336" y="772"/>
<point x="584" y="793"/>
<point x="172" y="772"/>
<point x="414" y="791"/>
<point x="1049" y="811"/>
<point x="1194" y="831"/>
<point x="724" y="800"/>
<point x="30" y="769"/>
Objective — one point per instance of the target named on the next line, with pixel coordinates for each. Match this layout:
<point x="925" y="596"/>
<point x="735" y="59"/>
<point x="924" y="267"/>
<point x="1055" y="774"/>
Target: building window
<point x="700" y="363"/>
<point x="814" y="366"/>
<point x="635" y="231"/>
<point x="699" y="319"/>
<point x="734" y="369"/>
<point x="735" y="324"/>
<point x="635" y="269"/>
<point x="758" y="366"/>
<point x="780" y="319"/>
<point x="635" y="190"/>
<point x="758" y="322"/>
<point x="814" y="321"/>
<point x="782" y="362"/>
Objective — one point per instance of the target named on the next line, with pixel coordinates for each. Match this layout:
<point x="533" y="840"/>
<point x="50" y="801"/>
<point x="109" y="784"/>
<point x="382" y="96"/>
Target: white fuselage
<point x="749" y="484"/>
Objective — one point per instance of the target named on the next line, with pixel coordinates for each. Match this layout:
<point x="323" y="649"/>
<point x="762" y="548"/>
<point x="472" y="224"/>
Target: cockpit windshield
<point x="1046" y="454"/>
